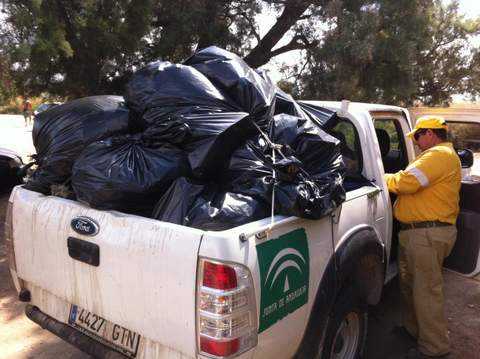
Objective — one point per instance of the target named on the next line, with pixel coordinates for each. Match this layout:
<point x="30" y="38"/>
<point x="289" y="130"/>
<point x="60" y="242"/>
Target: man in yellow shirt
<point x="427" y="207"/>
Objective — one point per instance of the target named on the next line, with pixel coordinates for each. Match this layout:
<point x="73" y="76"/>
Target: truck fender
<point x="312" y="341"/>
<point x="357" y="261"/>
<point x="360" y="261"/>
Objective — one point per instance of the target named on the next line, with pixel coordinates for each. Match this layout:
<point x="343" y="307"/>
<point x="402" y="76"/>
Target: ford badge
<point x="85" y="225"/>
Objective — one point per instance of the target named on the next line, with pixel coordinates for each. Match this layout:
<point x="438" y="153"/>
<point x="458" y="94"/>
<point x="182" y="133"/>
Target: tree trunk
<point x="291" y="13"/>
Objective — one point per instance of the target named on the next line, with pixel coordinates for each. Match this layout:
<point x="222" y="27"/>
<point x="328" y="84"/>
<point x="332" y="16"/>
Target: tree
<point x="448" y="64"/>
<point x="7" y="87"/>
<point x="393" y="51"/>
<point x="74" y="47"/>
<point x="83" y="47"/>
<point x="291" y="13"/>
<point x="472" y="87"/>
<point x="181" y="27"/>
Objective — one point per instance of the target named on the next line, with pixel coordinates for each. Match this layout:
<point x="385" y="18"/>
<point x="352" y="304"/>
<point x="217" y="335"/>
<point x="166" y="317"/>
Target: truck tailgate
<point x="146" y="277"/>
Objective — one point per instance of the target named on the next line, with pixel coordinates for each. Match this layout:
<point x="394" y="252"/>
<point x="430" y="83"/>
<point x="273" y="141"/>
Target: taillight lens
<point x="217" y="348"/>
<point x="219" y="276"/>
<point x="222" y="304"/>
<point x="226" y="311"/>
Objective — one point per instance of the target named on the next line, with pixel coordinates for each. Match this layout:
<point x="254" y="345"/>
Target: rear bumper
<point x="52" y="313"/>
<point x="72" y="336"/>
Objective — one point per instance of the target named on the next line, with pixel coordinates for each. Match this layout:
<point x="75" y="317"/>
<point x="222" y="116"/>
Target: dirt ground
<point x="22" y="339"/>
<point x="462" y="296"/>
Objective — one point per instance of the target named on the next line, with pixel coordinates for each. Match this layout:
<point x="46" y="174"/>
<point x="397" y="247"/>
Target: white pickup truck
<point x="118" y="285"/>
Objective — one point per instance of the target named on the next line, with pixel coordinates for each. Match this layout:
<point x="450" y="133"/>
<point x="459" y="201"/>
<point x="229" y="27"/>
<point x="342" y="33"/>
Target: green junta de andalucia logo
<point x="284" y="274"/>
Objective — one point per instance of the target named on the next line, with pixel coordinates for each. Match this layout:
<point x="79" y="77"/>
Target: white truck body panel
<point x="227" y="247"/>
<point x="147" y="271"/>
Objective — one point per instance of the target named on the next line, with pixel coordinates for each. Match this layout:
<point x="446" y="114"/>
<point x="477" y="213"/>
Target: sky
<point x="471" y="8"/>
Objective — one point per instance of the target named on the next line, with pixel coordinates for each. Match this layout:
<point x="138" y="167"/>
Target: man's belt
<point x="427" y="224"/>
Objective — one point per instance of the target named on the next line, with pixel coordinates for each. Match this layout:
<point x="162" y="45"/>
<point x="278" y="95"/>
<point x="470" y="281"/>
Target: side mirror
<point x="466" y="157"/>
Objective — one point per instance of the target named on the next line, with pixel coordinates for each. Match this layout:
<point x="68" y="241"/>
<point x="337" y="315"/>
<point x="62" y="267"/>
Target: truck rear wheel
<point x="347" y="327"/>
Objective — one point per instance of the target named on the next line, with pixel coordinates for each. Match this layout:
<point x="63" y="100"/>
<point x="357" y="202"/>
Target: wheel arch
<point x="361" y="262"/>
<point x="357" y="256"/>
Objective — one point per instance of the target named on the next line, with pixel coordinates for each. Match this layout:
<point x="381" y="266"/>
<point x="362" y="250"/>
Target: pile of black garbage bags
<point x="210" y="143"/>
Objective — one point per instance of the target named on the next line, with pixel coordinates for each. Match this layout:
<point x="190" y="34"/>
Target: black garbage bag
<point x="207" y="207"/>
<point x="61" y="133"/>
<point x="321" y="157"/>
<point x="123" y="174"/>
<point x="253" y="92"/>
<point x="219" y="211"/>
<point x="246" y="162"/>
<point x="285" y="104"/>
<point x="308" y="169"/>
<point x="162" y="89"/>
<point x="309" y="199"/>
<point x="322" y="117"/>
<point x="187" y="110"/>
<point x="318" y="151"/>
<point x="249" y="171"/>
<point x="284" y="129"/>
<point x="318" y="116"/>
<point x="173" y="131"/>
<point x="174" y="205"/>
<point x="313" y="185"/>
<point x="213" y="139"/>
<point x="295" y="195"/>
<point x="208" y="139"/>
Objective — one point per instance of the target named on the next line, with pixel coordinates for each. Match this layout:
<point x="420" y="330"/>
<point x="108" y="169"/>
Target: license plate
<point x="113" y="335"/>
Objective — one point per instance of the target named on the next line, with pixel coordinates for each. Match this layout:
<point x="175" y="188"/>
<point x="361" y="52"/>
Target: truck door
<point x="361" y="183"/>
<point x="464" y="258"/>
<point x="396" y="152"/>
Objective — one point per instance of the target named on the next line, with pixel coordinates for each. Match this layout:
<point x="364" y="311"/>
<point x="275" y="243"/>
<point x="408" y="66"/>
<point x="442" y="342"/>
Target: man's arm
<point x="403" y="182"/>
<point x="426" y="169"/>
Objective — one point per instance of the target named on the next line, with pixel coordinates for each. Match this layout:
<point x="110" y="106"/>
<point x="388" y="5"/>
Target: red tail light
<point x="221" y="349"/>
<point x="219" y="276"/>
<point x="226" y="310"/>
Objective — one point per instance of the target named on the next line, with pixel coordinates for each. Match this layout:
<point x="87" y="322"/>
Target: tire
<point x="347" y="327"/>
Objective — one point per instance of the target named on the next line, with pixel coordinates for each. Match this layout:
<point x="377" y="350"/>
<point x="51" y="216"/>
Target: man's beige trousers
<point x="420" y="258"/>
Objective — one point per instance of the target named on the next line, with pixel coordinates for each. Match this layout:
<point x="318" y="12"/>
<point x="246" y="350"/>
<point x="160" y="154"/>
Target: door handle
<point x="374" y="192"/>
<point x="84" y="251"/>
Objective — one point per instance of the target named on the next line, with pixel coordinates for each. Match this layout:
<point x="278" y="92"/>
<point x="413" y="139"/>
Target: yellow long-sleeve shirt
<point x="428" y="189"/>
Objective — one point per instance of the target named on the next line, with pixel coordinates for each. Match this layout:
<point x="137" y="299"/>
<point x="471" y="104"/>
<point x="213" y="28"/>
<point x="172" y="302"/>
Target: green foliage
<point x="85" y="47"/>
<point x="7" y="87"/>
<point x="393" y="51"/>
<point x="75" y="47"/>
<point x="465" y="135"/>
<point x="389" y="126"/>
<point x="348" y="132"/>
<point x="288" y="87"/>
